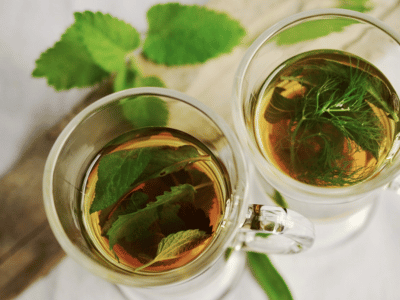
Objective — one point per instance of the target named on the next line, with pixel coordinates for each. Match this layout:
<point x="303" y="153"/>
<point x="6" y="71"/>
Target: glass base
<point x="329" y="235"/>
<point x="215" y="283"/>
<point x="335" y="225"/>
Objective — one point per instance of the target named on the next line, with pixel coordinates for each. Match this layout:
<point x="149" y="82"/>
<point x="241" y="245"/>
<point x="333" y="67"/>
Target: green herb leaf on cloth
<point x="68" y="63"/>
<point x="189" y="34"/>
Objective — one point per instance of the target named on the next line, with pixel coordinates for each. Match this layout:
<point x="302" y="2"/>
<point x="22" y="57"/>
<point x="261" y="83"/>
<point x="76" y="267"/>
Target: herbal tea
<point x="326" y="118"/>
<point x="153" y="199"/>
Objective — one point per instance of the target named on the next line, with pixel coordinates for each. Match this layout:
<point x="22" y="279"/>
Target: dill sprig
<point x="332" y="114"/>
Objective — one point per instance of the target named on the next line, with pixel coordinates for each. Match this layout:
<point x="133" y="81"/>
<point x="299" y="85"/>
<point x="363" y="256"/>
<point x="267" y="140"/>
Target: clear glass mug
<point x="341" y="212"/>
<point x="212" y="273"/>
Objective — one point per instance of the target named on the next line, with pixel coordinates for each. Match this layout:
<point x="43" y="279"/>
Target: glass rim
<point x="335" y="195"/>
<point x="149" y="278"/>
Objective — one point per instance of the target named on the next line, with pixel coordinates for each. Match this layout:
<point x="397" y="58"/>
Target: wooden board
<point x="28" y="250"/>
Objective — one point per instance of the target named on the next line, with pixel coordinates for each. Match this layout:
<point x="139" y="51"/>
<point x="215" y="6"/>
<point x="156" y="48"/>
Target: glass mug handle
<point x="274" y="230"/>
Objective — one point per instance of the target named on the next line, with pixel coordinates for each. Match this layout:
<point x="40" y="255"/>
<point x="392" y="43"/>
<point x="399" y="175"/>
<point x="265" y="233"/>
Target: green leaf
<point x="174" y="244"/>
<point x="120" y="172"/>
<point x="134" y="225"/>
<point x="136" y="202"/>
<point x="107" y="39"/>
<point x="128" y="77"/>
<point x="145" y="111"/>
<point x="125" y="79"/>
<point x="167" y="160"/>
<point x="280" y="107"/>
<point x="189" y="34"/>
<point x="319" y="28"/>
<point x="279" y="200"/>
<point x="116" y="173"/>
<point x="357" y="5"/>
<point x="311" y="30"/>
<point x="268" y="277"/>
<point x="68" y="63"/>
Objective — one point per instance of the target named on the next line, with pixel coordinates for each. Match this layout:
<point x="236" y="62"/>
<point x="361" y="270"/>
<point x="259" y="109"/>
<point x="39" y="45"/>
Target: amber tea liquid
<point x="205" y="214"/>
<point x="303" y="152"/>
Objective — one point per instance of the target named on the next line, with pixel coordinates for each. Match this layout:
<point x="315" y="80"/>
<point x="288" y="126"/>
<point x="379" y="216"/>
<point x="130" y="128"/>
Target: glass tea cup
<point x="242" y="226"/>
<point x="338" y="213"/>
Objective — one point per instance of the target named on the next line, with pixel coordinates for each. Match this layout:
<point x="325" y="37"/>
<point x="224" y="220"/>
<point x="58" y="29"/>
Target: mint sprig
<point x="99" y="45"/>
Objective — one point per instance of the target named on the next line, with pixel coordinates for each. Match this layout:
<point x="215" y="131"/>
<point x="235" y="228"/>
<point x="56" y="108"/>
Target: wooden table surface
<point x="28" y="249"/>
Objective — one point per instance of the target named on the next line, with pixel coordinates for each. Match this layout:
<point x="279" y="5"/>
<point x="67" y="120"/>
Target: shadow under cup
<point x="106" y="120"/>
<point x="333" y="29"/>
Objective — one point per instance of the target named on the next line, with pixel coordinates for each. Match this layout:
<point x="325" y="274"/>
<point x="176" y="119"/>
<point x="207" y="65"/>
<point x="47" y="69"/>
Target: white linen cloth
<point x="366" y="268"/>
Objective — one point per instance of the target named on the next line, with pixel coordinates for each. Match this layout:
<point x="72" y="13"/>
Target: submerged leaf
<point x="134" y="225"/>
<point x="116" y="173"/>
<point x="174" y="244"/>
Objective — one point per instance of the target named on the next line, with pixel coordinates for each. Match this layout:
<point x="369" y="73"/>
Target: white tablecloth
<point x="368" y="267"/>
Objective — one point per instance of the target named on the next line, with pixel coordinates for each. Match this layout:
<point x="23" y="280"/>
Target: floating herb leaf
<point x="133" y="226"/>
<point x="111" y="186"/>
<point x="135" y="167"/>
<point x="173" y="245"/>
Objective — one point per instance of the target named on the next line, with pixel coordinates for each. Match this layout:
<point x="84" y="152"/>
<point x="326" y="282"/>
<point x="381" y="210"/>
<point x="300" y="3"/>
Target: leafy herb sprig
<point x="330" y="118"/>
<point x="140" y="217"/>
<point x="99" y="45"/>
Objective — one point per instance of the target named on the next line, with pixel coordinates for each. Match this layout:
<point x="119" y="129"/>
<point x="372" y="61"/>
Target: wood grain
<point x="28" y="249"/>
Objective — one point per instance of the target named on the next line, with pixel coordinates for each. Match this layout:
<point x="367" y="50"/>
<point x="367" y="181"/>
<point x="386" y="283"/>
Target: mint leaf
<point x="125" y="78"/>
<point x="135" y="203"/>
<point x="169" y="221"/>
<point x="135" y="225"/>
<point x="268" y="277"/>
<point x="279" y="200"/>
<point x="174" y="244"/>
<point x="311" y="30"/>
<point x="107" y="38"/>
<point x="120" y="172"/>
<point x="149" y="81"/>
<point x="188" y="34"/>
<point x="144" y="111"/>
<point x="167" y="160"/>
<point x="68" y="63"/>
<point x="357" y="5"/>
<point x="116" y="173"/>
<point x="128" y="77"/>
<point x="319" y="28"/>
